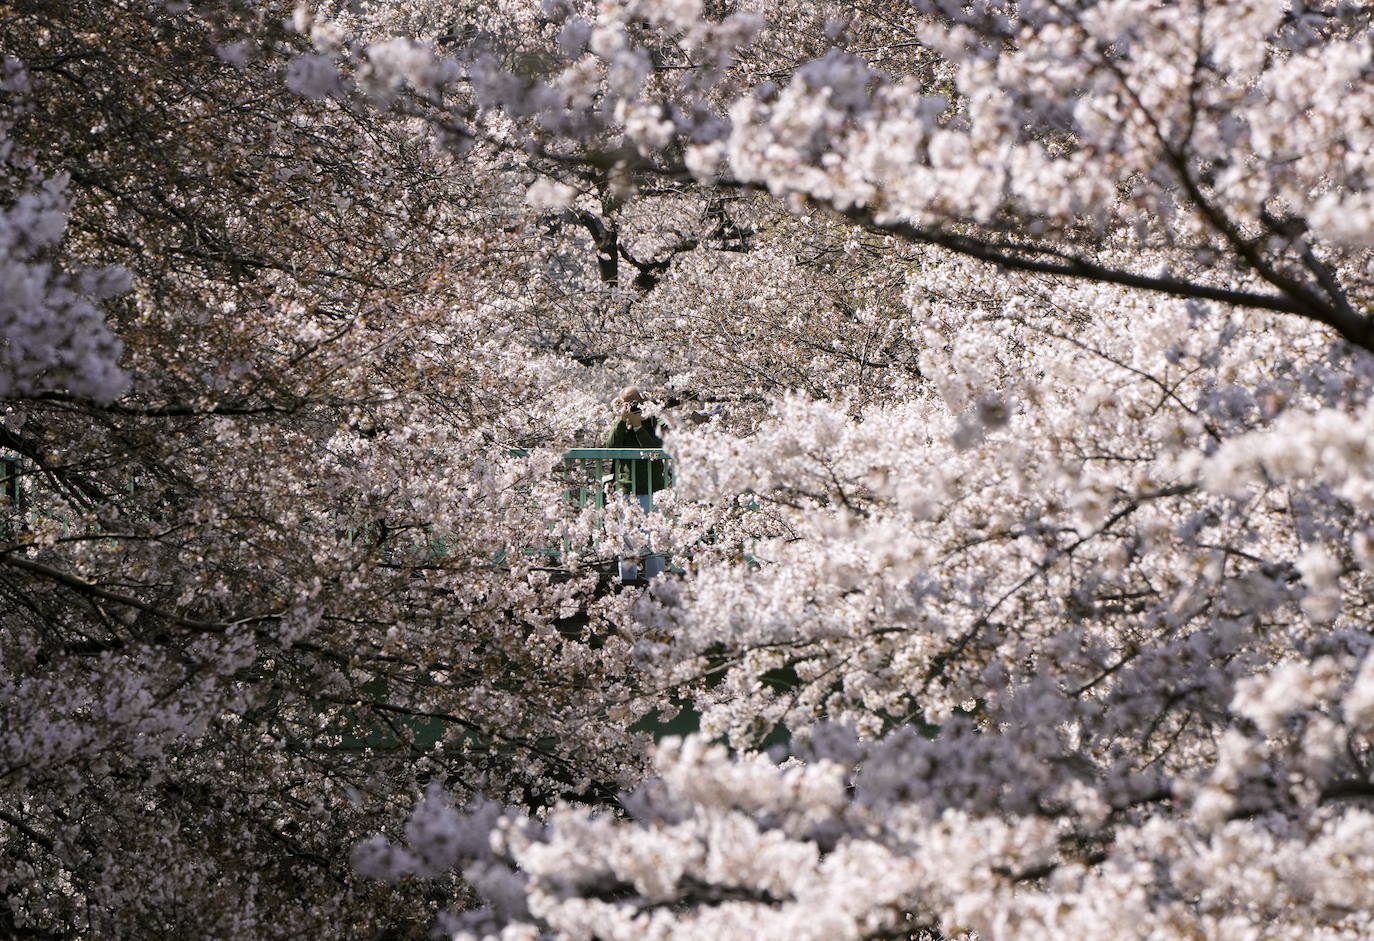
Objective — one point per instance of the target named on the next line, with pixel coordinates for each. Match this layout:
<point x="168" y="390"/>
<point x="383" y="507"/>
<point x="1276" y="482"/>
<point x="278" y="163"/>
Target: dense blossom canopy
<point x="1018" y="359"/>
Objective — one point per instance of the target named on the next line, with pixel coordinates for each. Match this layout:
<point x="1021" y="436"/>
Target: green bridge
<point x="589" y="474"/>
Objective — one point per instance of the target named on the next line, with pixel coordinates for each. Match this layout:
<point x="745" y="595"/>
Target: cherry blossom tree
<point x="1059" y="650"/>
<point x="1017" y="359"/>
<point x="1069" y="637"/>
<point x="267" y="571"/>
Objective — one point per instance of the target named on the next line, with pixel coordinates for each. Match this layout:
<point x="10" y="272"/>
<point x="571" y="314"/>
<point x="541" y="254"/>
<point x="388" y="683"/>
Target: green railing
<point x="590" y="474"/>
<point x="22" y="492"/>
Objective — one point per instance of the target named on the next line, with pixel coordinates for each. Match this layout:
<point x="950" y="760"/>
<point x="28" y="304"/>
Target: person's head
<point x="631" y="400"/>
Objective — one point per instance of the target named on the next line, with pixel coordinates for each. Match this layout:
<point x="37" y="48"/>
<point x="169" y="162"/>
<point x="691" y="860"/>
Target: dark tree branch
<point x="606" y="240"/>
<point x="1044" y="261"/>
<point x="105" y="594"/>
<point x="651" y="271"/>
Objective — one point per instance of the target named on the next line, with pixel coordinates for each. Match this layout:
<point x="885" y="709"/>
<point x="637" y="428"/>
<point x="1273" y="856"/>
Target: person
<point x="639" y="477"/>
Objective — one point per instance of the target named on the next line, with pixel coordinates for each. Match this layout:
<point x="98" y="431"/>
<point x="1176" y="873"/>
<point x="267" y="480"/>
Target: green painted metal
<point x="21" y="503"/>
<point x="589" y="474"/>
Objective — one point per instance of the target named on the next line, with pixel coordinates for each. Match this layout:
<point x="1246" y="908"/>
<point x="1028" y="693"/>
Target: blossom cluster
<point x="1016" y="361"/>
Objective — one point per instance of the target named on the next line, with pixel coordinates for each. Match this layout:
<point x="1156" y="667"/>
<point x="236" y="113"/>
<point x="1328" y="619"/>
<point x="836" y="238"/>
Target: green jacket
<point x="639" y="476"/>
